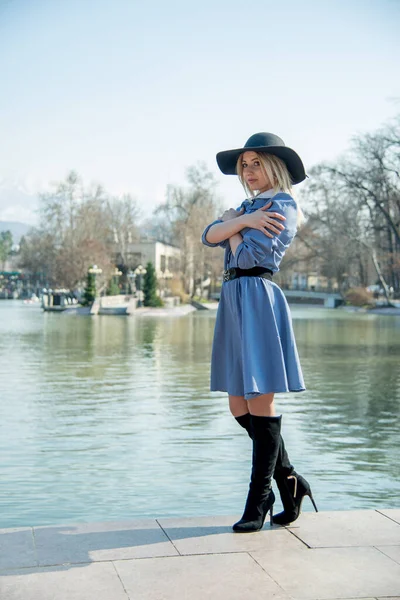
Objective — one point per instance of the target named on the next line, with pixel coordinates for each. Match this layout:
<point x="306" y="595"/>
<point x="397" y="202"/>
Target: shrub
<point x="359" y="296"/>
<point x="176" y="288"/>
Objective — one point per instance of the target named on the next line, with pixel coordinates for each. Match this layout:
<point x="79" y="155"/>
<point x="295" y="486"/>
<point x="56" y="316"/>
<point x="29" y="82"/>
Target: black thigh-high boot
<point x="245" y="422"/>
<point x="260" y="499"/>
<point x="292" y="486"/>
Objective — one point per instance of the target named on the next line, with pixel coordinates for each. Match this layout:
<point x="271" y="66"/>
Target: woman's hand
<point x="231" y="213"/>
<point x="261" y="220"/>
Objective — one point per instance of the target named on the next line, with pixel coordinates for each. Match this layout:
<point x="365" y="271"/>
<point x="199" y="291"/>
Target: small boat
<point x="57" y="300"/>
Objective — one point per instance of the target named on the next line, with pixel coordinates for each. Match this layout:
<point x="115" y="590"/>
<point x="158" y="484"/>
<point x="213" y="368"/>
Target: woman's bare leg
<point x="238" y="406"/>
<point x="262" y="406"/>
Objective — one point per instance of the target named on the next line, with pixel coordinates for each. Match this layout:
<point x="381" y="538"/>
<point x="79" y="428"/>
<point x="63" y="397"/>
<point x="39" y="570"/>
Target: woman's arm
<point x="235" y="241"/>
<point x="258" y="221"/>
<point x="227" y="216"/>
<point x="255" y="246"/>
<point x="238" y="221"/>
<point x="227" y="228"/>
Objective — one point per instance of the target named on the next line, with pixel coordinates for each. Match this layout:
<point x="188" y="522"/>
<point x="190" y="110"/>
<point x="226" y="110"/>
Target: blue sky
<point x="132" y="93"/>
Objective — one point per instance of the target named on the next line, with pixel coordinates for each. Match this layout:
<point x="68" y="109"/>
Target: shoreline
<point x="184" y="309"/>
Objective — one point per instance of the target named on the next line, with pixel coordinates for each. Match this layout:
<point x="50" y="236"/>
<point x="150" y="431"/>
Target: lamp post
<point x="131" y="279"/>
<point x="139" y="271"/>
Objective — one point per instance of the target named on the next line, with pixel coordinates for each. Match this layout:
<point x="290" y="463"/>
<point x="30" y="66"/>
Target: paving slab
<point x="17" y="548"/>
<point x="324" y="556"/>
<point x="96" y="581"/>
<point x="87" y="542"/>
<point x="217" y="576"/>
<point x="205" y="535"/>
<point x="346" y="528"/>
<point x="392" y="551"/>
<point x="332" y="573"/>
<point x="392" y="513"/>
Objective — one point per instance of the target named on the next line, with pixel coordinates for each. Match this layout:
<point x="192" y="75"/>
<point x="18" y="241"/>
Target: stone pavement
<point x="329" y="555"/>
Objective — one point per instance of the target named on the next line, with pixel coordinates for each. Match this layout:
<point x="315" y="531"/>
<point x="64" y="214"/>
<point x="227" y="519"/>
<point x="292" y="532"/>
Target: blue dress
<point x="254" y="350"/>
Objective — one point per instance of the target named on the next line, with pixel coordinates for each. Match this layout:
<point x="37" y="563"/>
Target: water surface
<point x="111" y="418"/>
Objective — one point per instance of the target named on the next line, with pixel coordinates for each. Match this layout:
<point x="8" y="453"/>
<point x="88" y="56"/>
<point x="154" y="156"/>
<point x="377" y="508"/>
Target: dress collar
<point x="267" y="194"/>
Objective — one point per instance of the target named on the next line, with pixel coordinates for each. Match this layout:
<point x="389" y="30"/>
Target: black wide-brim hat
<point x="264" y="142"/>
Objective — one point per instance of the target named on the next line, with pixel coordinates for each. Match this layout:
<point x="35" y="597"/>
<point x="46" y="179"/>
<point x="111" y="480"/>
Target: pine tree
<point x="6" y="243"/>
<point x="150" y="287"/>
<point x="90" y="289"/>
<point x="113" y="288"/>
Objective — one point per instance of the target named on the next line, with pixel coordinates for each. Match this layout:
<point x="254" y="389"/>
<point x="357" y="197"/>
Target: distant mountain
<point x="17" y="229"/>
<point x="18" y="203"/>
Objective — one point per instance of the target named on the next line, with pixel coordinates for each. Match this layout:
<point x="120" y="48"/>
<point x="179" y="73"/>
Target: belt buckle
<point x="229" y="274"/>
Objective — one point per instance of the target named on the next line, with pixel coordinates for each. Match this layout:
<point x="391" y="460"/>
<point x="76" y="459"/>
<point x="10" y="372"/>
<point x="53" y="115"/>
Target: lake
<point x="111" y="418"/>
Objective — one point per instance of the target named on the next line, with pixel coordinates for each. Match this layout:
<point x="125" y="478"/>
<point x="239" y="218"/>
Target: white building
<point x="165" y="258"/>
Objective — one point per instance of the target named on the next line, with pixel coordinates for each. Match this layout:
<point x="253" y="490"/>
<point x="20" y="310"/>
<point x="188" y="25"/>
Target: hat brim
<point x="227" y="160"/>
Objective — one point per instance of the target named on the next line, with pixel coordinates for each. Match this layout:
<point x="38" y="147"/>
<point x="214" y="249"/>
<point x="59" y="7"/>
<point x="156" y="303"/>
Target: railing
<point x="325" y="298"/>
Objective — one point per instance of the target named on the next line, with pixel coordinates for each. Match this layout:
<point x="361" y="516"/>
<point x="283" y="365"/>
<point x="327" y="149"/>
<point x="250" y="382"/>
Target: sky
<point x="130" y="94"/>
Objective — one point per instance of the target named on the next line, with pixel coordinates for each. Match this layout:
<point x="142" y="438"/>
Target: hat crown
<point x="260" y="140"/>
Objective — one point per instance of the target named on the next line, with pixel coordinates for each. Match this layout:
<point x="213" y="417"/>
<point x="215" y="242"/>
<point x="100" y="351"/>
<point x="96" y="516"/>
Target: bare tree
<point x="185" y="213"/>
<point x="77" y="229"/>
<point x="38" y="254"/>
<point x="353" y="207"/>
<point x="335" y="224"/>
<point x="123" y="215"/>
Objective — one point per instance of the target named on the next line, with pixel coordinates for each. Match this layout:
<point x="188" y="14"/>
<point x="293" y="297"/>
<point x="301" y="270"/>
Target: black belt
<point x="235" y="272"/>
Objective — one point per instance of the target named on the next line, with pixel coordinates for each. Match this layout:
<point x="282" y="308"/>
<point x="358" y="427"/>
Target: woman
<point x="254" y="352"/>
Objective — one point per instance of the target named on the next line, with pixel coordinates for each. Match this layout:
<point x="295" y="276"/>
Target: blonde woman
<point x="254" y="352"/>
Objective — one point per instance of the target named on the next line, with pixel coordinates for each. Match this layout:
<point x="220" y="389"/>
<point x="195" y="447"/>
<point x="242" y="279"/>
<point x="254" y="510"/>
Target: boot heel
<point x="312" y="500"/>
<point x="271" y="516"/>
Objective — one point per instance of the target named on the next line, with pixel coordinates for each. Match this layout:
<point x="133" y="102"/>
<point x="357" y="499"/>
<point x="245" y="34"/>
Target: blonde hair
<point x="277" y="173"/>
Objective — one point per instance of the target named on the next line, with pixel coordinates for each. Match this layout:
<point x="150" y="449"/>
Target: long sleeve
<point x="257" y="247"/>
<point x="223" y="244"/>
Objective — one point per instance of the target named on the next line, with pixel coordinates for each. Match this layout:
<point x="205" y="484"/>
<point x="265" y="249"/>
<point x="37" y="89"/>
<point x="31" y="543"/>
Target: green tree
<point x="113" y="288"/>
<point x="90" y="289"/>
<point x="150" y="287"/>
<point x="6" y="243"/>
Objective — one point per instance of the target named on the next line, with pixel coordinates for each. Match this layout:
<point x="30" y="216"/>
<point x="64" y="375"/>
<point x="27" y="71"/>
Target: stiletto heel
<point x="293" y="489"/>
<point x="271" y="516"/>
<point x="312" y="500"/>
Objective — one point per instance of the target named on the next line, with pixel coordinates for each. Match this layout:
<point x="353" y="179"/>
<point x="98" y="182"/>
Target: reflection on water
<point x="111" y="418"/>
